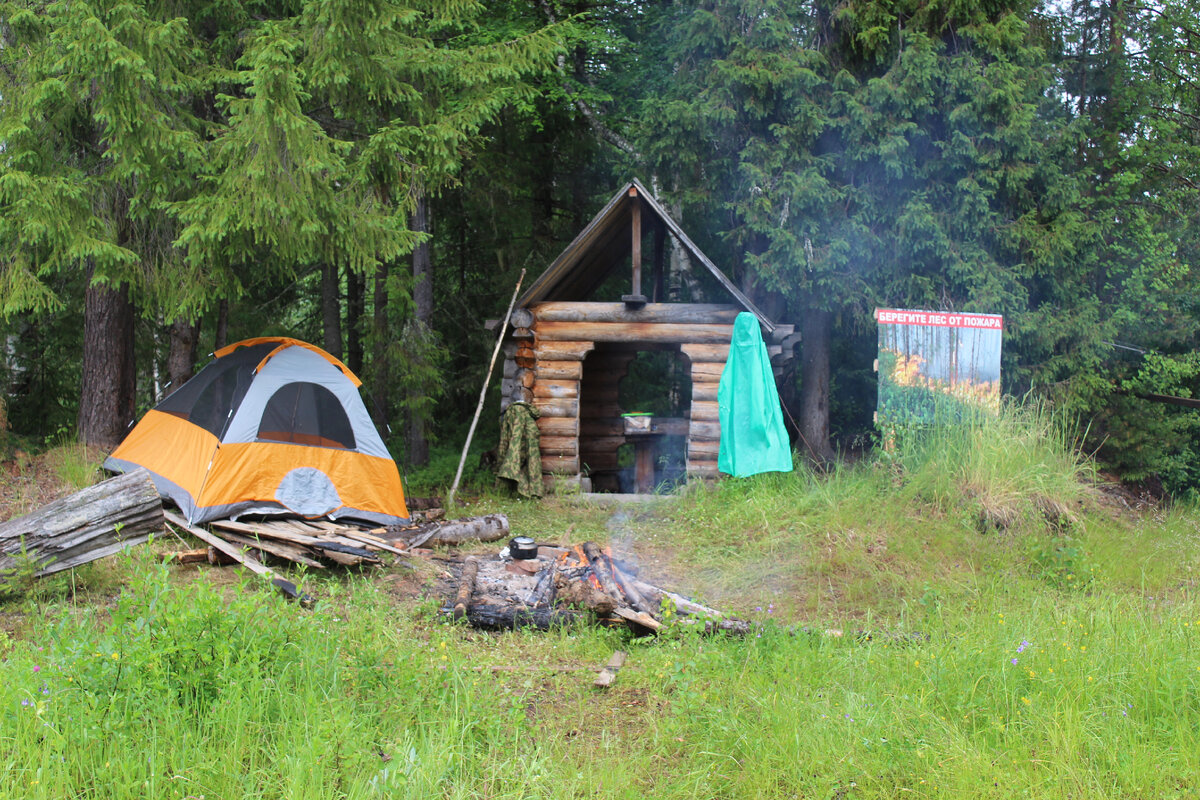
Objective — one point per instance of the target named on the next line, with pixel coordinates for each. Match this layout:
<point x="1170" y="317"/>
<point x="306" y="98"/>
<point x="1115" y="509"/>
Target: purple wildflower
<point x="26" y="703"/>
<point x="1021" y="647"/>
<point x="36" y="668"/>
<point x="1014" y="661"/>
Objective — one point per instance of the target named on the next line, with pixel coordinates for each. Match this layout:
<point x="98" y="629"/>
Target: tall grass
<point x="1008" y="466"/>
<point x="988" y="666"/>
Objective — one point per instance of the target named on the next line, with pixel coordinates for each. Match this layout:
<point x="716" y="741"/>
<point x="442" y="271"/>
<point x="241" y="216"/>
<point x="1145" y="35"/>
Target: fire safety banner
<point x="934" y="366"/>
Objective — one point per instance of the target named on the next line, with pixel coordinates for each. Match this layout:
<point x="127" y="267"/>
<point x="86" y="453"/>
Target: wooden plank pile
<point x="317" y="544"/>
<point x="565" y="585"/>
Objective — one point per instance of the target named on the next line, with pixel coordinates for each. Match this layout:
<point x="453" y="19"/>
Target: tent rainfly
<point x="271" y="426"/>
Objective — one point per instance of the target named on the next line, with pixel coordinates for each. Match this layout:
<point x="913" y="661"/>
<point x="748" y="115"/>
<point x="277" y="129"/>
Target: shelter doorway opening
<point x="634" y="406"/>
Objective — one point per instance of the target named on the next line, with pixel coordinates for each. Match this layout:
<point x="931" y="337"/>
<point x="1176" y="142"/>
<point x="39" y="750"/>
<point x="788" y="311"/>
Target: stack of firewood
<point x="567" y="585"/>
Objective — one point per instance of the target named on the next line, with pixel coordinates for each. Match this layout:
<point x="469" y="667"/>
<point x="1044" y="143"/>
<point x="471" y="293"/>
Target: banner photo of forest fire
<point x="934" y="366"/>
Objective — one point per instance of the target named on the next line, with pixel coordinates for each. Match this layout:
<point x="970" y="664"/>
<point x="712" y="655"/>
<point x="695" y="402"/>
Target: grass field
<point x="1007" y="630"/>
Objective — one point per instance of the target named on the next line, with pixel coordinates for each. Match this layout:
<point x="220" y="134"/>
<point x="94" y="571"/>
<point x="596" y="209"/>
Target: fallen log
<point x="656" y="594"/>
<point x="488" y="528"/>
<point x="85" y="526"/>
<point x="185" y="556"/>
<point x="511" y="617"/>
<point x="466" y="588"/>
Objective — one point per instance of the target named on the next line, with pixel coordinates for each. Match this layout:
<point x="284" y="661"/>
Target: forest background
<point x="372" y="176"/>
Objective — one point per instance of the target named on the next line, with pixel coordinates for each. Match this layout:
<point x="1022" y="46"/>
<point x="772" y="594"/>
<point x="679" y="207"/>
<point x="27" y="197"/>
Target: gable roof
<point x="606" y="241"/>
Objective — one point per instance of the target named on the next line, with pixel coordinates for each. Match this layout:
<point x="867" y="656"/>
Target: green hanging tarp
<point x="753" y="438"/>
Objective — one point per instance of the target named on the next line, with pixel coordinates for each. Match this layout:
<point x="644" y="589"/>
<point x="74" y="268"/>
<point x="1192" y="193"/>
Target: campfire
<point x="540" y="586"/>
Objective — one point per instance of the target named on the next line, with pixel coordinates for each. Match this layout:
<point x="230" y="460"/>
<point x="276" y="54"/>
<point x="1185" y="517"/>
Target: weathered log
<point x="560" y="370"/>
<point x="705" y="352"/>
<point x="558" y="426"/>
<point x="466" y="588"/>
<point x="453" y="532"/>
<point x="651" y="312"/>
<point x="683" y="605"/>
<point x="85" y="526"/>
<point x="494" y="617"/>
<point x="705" y="410"/>
<point x="703" y="450"/>
<point x="521" y="318"/>
<point x="638" y="619"/>
<point x="705" y="390"/>
<point x="560" y="465"/>
<point x="707" y="371"/>
<point x="556" y="407"/>
<point x="565" y="390"/>
<point x="560" y="351"/>
<point x="703" y="469"/>
<point x="633" y="332"/>
<point x="559" y="445"/>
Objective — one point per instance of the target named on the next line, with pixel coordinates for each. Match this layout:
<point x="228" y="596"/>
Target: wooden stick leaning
<point x="249" y="561"/>
<point x="483" y="392"/>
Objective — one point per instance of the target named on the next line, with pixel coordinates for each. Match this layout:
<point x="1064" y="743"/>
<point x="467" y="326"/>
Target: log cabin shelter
<point x="620" y="345"/>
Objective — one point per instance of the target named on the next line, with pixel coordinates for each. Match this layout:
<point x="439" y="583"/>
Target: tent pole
<point x="483" y="392"/>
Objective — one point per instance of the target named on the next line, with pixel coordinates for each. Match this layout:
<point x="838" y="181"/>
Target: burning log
<point x="581" y="592"/>
<point x="546" y="588"/>
<point x="627" y="584"/>
<point x="466" y="588"/>
<point x="603" y="572"/>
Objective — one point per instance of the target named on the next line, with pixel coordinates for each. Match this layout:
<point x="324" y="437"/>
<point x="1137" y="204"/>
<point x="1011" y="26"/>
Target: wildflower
<point x="1014" y="661"/>
<point x="36" y="668"/>
<point x="758" y="609"/>
<point x="26" y="703"/>
<point x="1021" y="647"/>
<point x="115" y="656"/>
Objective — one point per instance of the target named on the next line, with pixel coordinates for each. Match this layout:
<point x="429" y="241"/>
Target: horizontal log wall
<point x="580" y="414"/>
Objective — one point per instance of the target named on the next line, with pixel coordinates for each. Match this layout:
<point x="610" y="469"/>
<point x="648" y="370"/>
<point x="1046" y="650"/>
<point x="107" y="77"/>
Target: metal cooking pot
<point x="522" y="547"/>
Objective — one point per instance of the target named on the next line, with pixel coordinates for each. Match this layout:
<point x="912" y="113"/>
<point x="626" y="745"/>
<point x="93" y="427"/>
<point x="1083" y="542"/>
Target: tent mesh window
<point x="306" y="413"/>
<point x="210" y="398"/>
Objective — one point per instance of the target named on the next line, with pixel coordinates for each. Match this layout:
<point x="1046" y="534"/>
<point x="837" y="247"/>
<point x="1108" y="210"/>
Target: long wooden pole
<point x="483" y="392"/>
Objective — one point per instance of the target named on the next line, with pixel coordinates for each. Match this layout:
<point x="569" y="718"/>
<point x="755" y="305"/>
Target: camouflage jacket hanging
<point x="519" y="454"/>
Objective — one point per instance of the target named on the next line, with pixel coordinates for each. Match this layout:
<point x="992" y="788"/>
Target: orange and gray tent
<point x="271" y="426"/>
